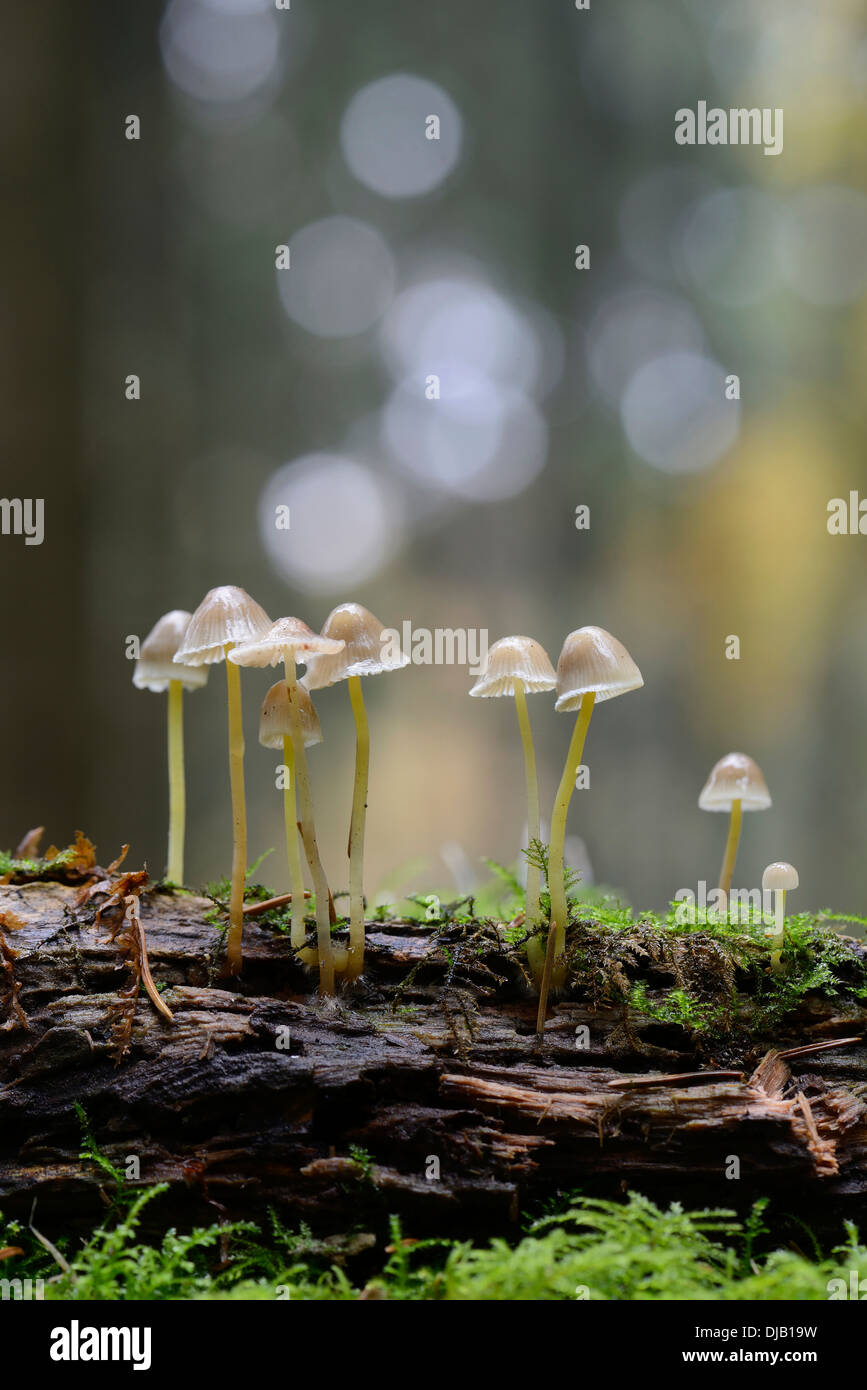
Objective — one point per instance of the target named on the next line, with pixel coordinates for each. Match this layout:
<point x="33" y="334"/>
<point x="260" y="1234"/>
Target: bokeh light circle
<point x="455" y="324"/>
<point x="633" y="327"/>
<point x="344" y="524"/>
<point x="340" y="279"/>
<point x="823" y="245"/>
<point x="480" y="440"/>
<point x="219" y="53"/>
<point x="384" y="136"/>
<point x="676" y="415"/>
<point x="729" y="245"/>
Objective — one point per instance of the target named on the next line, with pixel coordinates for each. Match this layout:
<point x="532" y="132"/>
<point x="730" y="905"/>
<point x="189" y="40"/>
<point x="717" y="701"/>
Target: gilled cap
<point x="735" y="778"/>
<point x="593" y="660"/>
<point x="286" y="635"/>
<point x="515" y="658"/>
<point x="225" y="616"/>
<point x="365" y="653"/>
<point x="156" y="665"/>
<point x="780" y="876"/>
<point x="275" y="722"/>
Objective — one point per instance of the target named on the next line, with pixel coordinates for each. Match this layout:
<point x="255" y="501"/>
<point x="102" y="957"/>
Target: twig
<point x="680" y="1078"/>
<point x="46" y="1243"/>
<point x="256" y="909"/>
<point x="819" y="1047"/>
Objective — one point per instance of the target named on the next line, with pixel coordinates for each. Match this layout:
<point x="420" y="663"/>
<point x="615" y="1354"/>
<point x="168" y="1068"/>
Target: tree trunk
<point x="422" y="1090"/>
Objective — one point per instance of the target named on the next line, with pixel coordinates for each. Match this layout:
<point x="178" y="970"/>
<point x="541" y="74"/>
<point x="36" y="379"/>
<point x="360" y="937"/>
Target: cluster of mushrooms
<point x="594" y="666"/>
<point x="229" y="626"/>
<point x="737" y="784"/>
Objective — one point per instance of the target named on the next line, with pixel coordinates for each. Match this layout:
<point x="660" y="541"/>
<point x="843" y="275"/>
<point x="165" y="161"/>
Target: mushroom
<point x="366" y="653"/>
<point x="520" y="666"/>
<point x="226" y="617"/>
<point x="156" y="669"/>
<point x="778" y="878"/>
<point x="280" y="710"/>
<point x="593" y="666"/>
<point x="735" y="784"/>
<point x="290" y="640"/>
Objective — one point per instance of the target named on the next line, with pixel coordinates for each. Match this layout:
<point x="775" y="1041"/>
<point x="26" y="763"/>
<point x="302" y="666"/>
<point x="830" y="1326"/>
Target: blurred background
<point x="559" y="387"/>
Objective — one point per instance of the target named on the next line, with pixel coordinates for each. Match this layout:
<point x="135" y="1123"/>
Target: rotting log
<point x="260" y="1094"/>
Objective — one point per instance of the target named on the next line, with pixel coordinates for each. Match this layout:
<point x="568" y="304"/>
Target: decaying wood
<point x="422" y="1090"/>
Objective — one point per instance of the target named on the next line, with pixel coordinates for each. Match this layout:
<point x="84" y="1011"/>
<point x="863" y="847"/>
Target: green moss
<point x="37" y="868"/>
<point x="590" y="1249"/>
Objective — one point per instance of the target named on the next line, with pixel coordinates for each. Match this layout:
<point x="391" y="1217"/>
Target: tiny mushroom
<point x="369" y="650"/>
<point x="276" y="731"/>
<point x="593" y="666"/>
<point x="519" y="666"/>
<point x="156" y="669"/>
<point x="290" y="640"/>
<point x="226" y="617"/>
<point x="778" y="878"/>
<point x="735" y="784"/>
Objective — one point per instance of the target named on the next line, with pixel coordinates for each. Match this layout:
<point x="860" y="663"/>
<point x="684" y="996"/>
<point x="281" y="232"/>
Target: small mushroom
<point x="290" y="640"/>
<point x="276" y="730"/>
<point x="156" y="669"/>
<point x="735" y="784"/>
<point x="593" y="666"/>
<point x="365" y="653"/>
<point x="778" y="878"/>
<point x="226" y="617"/>
<point x="519" y="666"/>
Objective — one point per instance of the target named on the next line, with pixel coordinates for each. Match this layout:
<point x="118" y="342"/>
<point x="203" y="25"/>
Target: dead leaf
<point x="29" y="846"/>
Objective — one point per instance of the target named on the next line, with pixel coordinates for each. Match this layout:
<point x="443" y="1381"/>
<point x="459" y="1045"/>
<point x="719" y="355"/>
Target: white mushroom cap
<point x="275" y="721"/>
<point x="225" y="617"/>
<point x="365" y="652"/>
<point x="593" y="660"/>
<point x="779" y="876"/>
<point x="735" y="778"/>
<point x="287" y="634"/>
<point x="515" y="658"/>
<point x="156" y="665"/>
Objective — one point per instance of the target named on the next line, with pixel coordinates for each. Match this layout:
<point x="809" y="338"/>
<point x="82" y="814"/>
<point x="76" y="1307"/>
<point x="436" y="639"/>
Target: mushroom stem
<point x="177" y="788"/>
<point x="533" y="827"/>
<point x="239" y="817"/>
<point x="779" y="930"/>
<point x="293" y="848"/>
<point x="356" y="831"/>
<point x="731" y="849"/>
<point x="308" y="835"/>
<point x="556" y="876"/>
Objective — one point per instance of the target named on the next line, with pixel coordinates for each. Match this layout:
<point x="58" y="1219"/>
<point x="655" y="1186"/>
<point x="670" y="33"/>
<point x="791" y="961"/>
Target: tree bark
<point x="421" y="1090"/>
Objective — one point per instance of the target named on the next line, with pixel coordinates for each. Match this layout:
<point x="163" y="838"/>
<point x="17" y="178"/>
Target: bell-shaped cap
<point x="225" y="617"/>
<point x="779" y="876"/>
<point x="275" y="721"/>
<point x="156" y="665"/>
<point x="735" y="778"/>
<point x="366" y="651"/>
<point x="286" y="635"/>
<point x="514" y="659"/>
<point x="593" y="660"/>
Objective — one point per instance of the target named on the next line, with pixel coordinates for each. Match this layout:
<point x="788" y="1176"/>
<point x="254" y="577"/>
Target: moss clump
<point x="590" y="1249"/>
